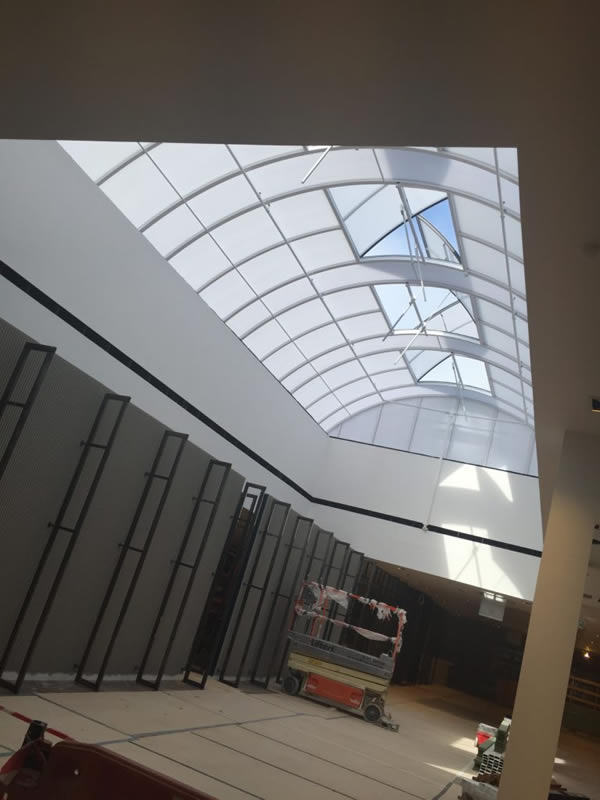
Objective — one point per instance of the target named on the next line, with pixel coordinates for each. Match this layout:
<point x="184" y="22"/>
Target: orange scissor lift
<point x="342" y="676"/>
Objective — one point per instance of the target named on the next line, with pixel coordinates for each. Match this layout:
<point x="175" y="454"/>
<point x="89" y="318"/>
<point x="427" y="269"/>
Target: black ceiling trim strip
<point x="55" y="308"/>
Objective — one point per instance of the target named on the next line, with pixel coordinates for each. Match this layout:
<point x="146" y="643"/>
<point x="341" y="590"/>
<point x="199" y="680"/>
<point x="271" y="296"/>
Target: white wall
<point x="59" y="231"/>
<point x="484" y="502"/>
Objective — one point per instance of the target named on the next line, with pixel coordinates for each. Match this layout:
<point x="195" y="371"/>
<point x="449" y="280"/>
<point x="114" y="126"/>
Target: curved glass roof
<point x="358" y="276"/>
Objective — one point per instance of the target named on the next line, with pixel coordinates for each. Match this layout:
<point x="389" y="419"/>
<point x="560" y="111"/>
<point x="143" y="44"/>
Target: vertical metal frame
<point x="178" y="563"/>
<point x="57" y="527"/>
<point x="126" y="548"/>
<point x="256" y="495"/>
<point x="251" y="586"/>
<point x="343" y="569"/>
<point x="287" y="598"/>
<point x="10" y="394"/>
<point x="309" y="573"/>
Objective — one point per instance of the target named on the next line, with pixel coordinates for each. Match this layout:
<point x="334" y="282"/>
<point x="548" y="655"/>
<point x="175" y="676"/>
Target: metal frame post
<point x="277" y="596"/>
<point x="258" y="499"/>
<point x="307" y="574"/>
<point x="24" y="405"/>
<point x="251" y="586"/>
<point x="127" y="547"/>
<point x="179" y="563"/>
<point x="57" y="527"/>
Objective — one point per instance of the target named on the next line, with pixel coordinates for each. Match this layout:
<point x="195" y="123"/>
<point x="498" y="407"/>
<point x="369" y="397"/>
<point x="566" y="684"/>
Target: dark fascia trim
<point x="74" y="322"/>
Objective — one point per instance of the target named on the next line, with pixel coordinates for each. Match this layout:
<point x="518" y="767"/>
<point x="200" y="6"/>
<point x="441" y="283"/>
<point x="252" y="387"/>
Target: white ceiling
<point x="466" y="73"/>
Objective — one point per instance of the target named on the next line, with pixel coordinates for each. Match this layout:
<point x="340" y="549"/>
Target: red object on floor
<point x="334" y="690"/>
<point x="76" y="771"/>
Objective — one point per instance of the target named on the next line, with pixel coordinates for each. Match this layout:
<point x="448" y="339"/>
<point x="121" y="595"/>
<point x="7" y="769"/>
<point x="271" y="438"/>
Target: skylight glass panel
<point x="98" y="158"/>
<point x="364" y="403"/>
<point x="289" y="295"/>
<point x="200" y="262"/>
<point x="317" y="342"/>
<point x="444" y="372"/>
<point x="247" y="234"/>
<point x="524" y="355"/>
<point x="436" y="247"/>
<point x="345" y="373"/>
<point x="332" y="241"/>
<point x="354" y="391"/>
<point x="173" y="229"/>
<point x="473" y="373"/>
<point x="266" y="339"/>
<point x="495" y="315"/>
<point x="340" y="163"/>
<point x="484" y="260"/>
<point x="508" y="160"/>
<point x="298" y="377"/>
<point x="223" y="200"/>
<point x="500" y="341"/>
<point x="248" y="318"/>
<point x="348" y="198"/>
<point x="305" y="317"/>
<point x="328" y="360"/>
<point x="284" y="360"/>
<point x="514" y="240"/>
<point x="504" y="377"/>
<point x="364" y="326"/>
<point x="440" y="216"/>
<point x="271" y="269"/>
<point x="283" y="177"/>
<point x="517" y="278"/>
<point x="303" y="213"/>
<point x="190" y="166"/>
<point x="484" y="154"/>
<point x="421" y="361"/>
<point x="140" y="191"/>
<point x="522" y="329"/>
<point x="375" y="218"/>
<point x="419" y="199"/>
<point x="379" y="362"/>
<point x="351" y="301"/>
<point x="479" y="220"/>
<point x="432" y="301"/>
<point x="227" y="294"/>
<point x="322" y="250"/>
<point x="399" y="306"/>
<point x="311" y="391"/>
<point x="510" y="196"/>
<point x="334" y="419"/>
<point x="405" y="240"/>
<point x="509" y="396"/>
<point x="393" y="378"/>
<point x="323" y="408"/>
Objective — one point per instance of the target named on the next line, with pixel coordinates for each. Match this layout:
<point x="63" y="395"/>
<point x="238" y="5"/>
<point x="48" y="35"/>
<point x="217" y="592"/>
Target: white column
<point x="539" y="704"/>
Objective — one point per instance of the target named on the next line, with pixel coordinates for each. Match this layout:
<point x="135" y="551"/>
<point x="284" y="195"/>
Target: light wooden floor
<point x="237" y="745"/>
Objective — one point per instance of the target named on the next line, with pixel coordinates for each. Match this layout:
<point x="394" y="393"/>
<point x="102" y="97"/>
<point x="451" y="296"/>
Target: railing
<point x="585" y="692"/>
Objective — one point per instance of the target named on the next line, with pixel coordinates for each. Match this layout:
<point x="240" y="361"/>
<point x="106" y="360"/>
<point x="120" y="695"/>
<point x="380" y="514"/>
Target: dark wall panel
<point x="31" y="492"/>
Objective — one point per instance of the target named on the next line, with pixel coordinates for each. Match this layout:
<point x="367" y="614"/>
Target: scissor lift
<point x="342" y="676"/>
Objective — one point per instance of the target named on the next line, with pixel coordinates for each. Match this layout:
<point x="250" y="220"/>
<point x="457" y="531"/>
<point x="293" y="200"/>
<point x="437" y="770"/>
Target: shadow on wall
<point x="487" y="503"/>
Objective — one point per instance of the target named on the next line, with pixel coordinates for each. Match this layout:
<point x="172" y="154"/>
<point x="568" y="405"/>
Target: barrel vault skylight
<point x="359" y="277"/>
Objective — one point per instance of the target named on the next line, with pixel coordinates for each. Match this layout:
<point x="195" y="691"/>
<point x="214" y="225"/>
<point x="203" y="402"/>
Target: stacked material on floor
<point x="485" y="787"/>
